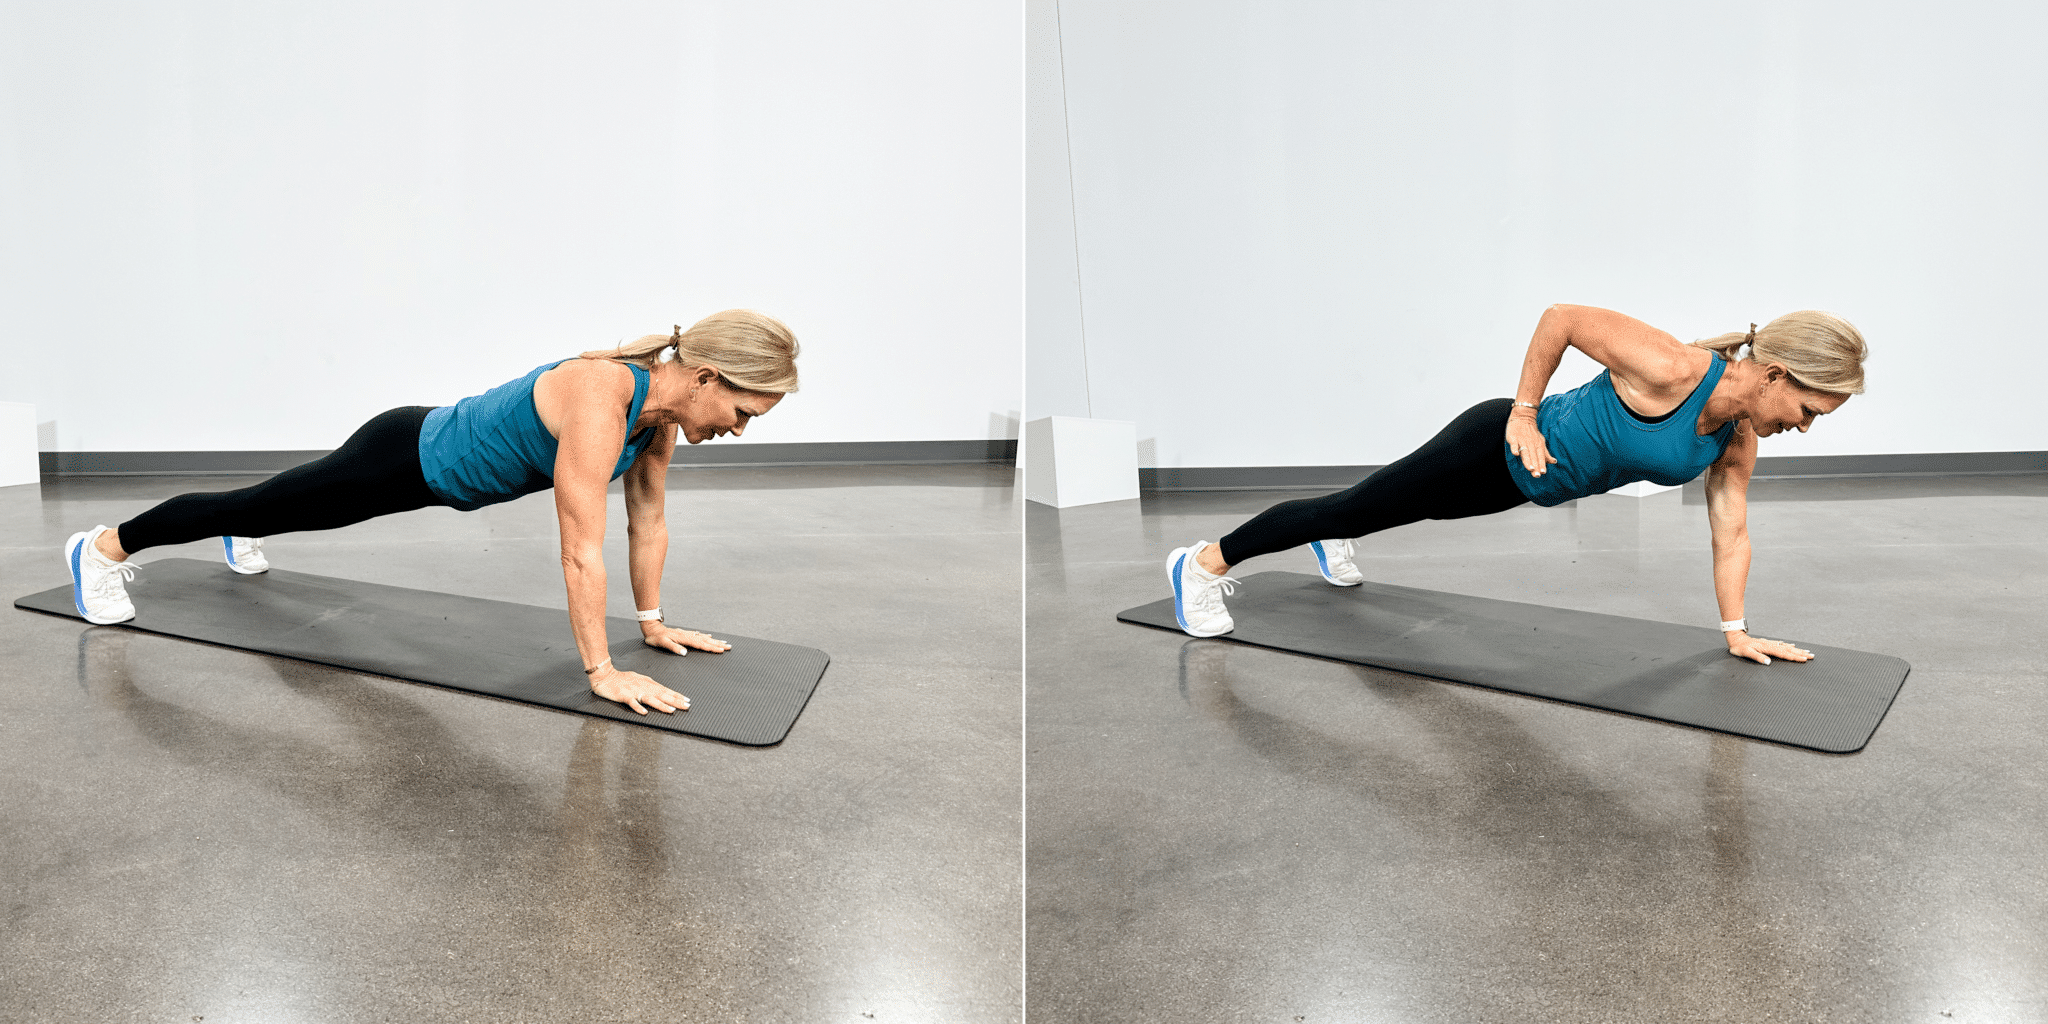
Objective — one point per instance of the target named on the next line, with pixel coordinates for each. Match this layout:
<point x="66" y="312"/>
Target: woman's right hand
<point x="631" y="688"/>
<point x="1526" y="442"/>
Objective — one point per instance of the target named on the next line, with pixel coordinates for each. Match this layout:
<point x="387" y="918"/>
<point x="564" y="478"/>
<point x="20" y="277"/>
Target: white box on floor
<point x="1073" y="460"/>
<point x="1640" y="489"/>
<point x="19" y="463"/>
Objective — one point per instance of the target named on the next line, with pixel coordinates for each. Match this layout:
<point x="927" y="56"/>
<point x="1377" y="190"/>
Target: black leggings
<point x="1462" y="472"/>
<point x="374" y="473"/>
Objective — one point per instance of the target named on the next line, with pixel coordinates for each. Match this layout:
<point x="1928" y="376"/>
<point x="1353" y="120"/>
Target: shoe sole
<point x="74" y="549"/>
<point x="1323" y="566"/>
<point x="1173" y="576"/>
<point x="228" y="546"/>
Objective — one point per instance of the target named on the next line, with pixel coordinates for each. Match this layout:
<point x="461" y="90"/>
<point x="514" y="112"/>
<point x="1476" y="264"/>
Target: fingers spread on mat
<point x="635" y="690"/>
<point x="675" y="640"/>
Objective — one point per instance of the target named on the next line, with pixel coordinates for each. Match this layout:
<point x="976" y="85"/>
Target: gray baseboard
<point x="847" y="453"/>
<point x="820" y="453"/>
<point x="1324" y="478"/>
<point x="173" y="463"/>
<point x="1253" y="478"/>
<point x="1924" y="464"/>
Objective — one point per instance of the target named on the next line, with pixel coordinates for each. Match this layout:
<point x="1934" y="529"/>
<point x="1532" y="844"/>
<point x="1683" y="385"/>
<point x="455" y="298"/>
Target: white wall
<point x="270" y="221"/>
<point x="1339" y="222"/>
<point x="1056" y="378"/>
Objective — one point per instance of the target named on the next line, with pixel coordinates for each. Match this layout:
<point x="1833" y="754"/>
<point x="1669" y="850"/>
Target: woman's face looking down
<point x="1785" y="405"/>
<point x="717" y="408"/>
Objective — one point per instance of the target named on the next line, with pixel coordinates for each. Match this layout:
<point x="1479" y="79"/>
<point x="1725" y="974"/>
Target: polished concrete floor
<point x="1222" y="833"/>
<point x="191" y="832"/>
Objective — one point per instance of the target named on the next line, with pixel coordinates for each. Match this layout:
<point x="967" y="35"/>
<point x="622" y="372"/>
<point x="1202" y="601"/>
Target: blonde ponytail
<point x="1823" y="351"/>
<point x="751" y="351"/>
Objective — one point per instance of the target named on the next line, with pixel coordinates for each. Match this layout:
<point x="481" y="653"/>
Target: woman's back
<point x="493" y="447"/>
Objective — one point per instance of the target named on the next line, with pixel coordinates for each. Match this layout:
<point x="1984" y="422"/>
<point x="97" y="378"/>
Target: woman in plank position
<point x="574" y="425"/>
<point x="1663" y="411"/>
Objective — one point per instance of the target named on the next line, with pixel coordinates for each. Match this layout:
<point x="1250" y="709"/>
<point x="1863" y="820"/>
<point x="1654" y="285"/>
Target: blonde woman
<point x="1662" y="411"/>
<point x="574" y="425"/>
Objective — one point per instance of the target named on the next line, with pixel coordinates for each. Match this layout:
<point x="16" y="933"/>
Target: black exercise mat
<point x="1657" y="670"/>
<point x="750" y="694"/>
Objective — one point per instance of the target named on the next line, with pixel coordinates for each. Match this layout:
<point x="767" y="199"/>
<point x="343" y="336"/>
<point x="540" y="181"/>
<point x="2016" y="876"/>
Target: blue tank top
<point x="493" y="447"/>
<point x="1600" y="445"/>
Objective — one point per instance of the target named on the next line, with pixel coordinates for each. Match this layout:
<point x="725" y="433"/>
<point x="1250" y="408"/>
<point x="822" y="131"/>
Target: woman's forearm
<point x="1546" y="351"/>
<point x="646" y="553"/>
<point x="583" y="572"/>
<point x="1731" y="574"/>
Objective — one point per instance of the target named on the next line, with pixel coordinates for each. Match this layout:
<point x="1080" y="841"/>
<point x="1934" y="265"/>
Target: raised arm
<point x="1636" y="354"/>
<point x="1546" y="350"/>
<point x="1728" y="517"/>
<point x="1640" y="359"/>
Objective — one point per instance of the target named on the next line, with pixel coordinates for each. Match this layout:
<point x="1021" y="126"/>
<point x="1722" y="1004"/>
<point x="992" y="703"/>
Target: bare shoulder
<point x="601" y="376"/>
<point x="1644" y="358"/>
<point x="576" y="388"/>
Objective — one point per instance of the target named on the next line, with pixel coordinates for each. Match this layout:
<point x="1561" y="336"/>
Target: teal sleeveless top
<point x="1600" y="445"/>
<point x="492" y="447"/>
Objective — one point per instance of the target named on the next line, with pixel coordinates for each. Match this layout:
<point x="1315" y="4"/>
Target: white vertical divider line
<point x="1073" y="216"/>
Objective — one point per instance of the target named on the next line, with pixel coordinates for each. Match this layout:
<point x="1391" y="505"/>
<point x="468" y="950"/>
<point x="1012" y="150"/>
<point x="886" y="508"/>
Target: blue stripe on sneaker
<point x="1321" y="562"/>
<point x="228" y="544"/>
<point x="78" y="581"/>
<point x="1177" y="615"/>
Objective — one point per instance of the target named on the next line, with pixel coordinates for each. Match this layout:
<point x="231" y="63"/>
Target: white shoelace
<point x="103" y="586"/>
<point x="1342" y="548"/>
<point x="1206" y="598"/>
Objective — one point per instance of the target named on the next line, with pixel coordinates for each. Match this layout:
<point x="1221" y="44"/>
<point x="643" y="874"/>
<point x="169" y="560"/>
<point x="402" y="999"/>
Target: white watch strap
<point x="649" y="616"/>
<point x="1738" y="624"/>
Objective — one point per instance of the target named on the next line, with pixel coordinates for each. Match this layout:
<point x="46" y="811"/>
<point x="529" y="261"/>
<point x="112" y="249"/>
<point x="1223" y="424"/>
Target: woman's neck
<point x="1733" y="393"/>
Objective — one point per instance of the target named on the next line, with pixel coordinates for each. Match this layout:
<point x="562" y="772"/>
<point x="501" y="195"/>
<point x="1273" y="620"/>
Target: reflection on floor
<point x="1233" y="834"/>
<point x="192" y="831"/>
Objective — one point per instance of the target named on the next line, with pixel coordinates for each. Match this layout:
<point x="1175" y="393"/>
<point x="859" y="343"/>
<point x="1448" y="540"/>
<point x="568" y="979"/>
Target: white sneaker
<point x="245" y="555"/>
<point x="1198" y="595"/>
<point x="1333" y="557"/>
<point x="99" y="585"/>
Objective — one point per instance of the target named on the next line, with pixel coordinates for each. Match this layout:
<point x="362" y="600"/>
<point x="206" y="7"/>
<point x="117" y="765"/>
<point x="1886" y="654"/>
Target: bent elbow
<point x="1556" y="325"/>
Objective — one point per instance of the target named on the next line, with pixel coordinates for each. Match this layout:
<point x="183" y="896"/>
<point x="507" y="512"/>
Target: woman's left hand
<point x="1757" y="649"/>
<point x="669" y="638"/>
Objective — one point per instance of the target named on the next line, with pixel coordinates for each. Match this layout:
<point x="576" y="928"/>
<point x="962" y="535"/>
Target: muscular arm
<point x="1638" y="357"/>
<point x="646" y="527"/>
<point x="583" y="402"/>
<point x="1525" y="442"/>
<point x="1728" y="517"/>
<point x="1640" y="360"/>
<point x="647" y="545"/>
<point x="590" y="422"/>
<point x="1546" y="350"/>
